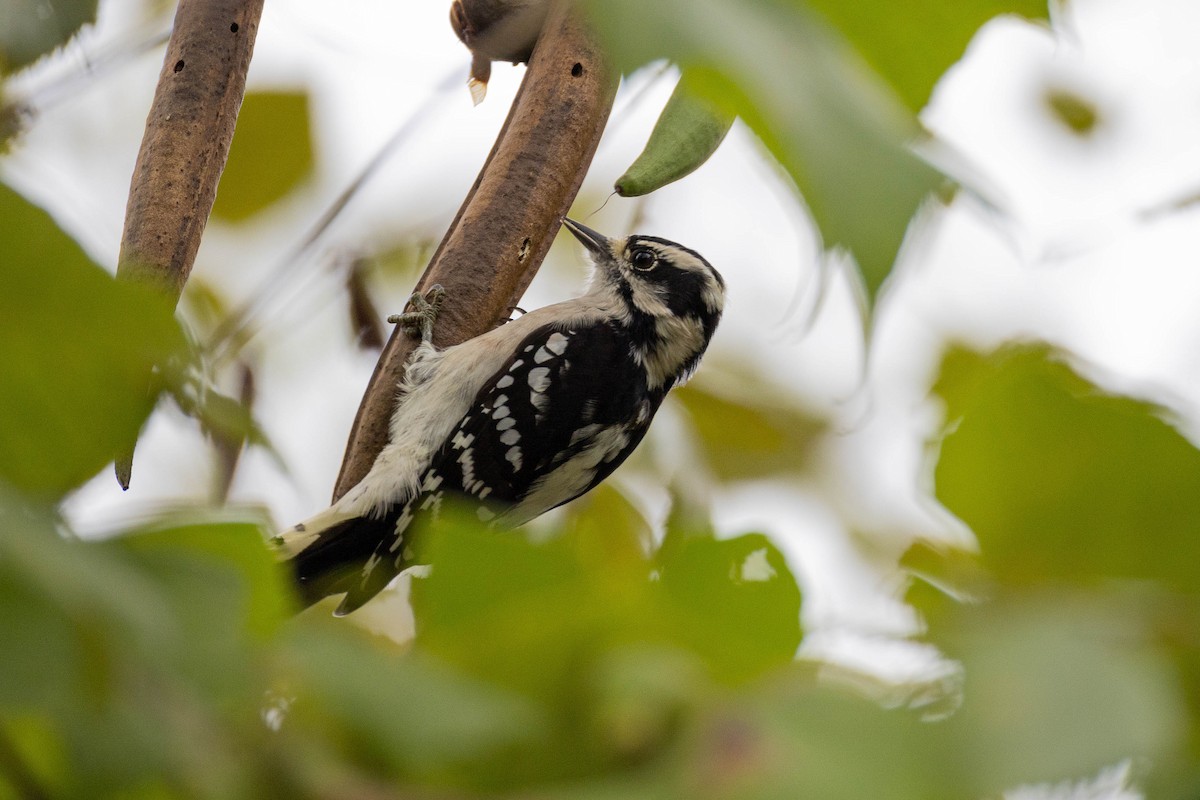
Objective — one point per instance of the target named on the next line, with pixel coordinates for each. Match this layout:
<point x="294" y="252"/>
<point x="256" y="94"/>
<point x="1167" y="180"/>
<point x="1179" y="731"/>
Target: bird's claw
<point x="425" y="307"/>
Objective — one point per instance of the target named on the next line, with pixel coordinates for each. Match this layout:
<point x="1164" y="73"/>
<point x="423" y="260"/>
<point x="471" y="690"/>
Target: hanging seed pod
<point x="688" y="131"/>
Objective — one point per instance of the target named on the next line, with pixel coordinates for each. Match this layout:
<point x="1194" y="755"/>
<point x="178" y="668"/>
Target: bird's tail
<point x="332" y="553"/>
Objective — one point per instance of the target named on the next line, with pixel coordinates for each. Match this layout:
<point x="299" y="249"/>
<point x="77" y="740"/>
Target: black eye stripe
<point x="655" y="243"/>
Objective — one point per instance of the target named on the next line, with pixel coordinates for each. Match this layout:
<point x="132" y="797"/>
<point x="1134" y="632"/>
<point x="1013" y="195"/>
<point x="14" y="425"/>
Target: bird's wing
<point x="552" y="422"/>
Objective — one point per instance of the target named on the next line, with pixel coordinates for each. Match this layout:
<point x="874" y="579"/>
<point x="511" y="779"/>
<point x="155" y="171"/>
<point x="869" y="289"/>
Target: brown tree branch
<point x="187" y="138"/>
<point x="505" y="226"/>
<point x="188" y="132"/>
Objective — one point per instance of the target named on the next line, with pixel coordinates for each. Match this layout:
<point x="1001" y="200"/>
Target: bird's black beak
<point x="595" y="242"/>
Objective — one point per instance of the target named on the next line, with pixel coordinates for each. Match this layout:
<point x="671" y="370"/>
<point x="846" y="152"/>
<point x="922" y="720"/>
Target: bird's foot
<point x="425" y="307"/>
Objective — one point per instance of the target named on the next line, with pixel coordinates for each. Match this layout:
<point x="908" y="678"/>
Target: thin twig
<point x="114" y="55"/>
<point x="239" y="327"/>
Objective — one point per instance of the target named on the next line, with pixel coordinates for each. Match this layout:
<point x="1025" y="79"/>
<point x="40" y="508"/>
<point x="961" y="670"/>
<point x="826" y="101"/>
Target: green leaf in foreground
<point x="271" y="154"/>
<point x="912" y="44"/>
<point x="832" y="123"/>
<point x="1057" y="683"/>
<point x="1097" y="495"/>
<point x="1056" y="687"/>
<point x="501" y="605"/>
<point x="1060" y="480"/>
<point x="206" y="564"/>
<point x="576" y="630"/>
<point x="415" y="716"/>
<point x="31" y="28"/>
<point x="737" y="603"/>
<point x="78" y="349"/>
<point x="746" y="437"/>
<point x="167" y="658"/>
<point x="816" y="741"/>
<point x="140" y="657"/>
<point x="788" y="736"/>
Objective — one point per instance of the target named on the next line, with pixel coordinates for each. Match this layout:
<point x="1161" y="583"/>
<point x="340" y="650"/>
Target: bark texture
<point x="185" y="146"/>
<point x="186" y="143"/>
<point x="505" y="226"/>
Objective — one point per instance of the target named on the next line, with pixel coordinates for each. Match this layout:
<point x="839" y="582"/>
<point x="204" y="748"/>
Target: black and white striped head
<point x="671" y="298"/>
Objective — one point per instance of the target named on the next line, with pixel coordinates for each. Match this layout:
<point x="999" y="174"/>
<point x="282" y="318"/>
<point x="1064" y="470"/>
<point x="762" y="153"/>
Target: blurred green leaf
<point x="834" y="125"/>
<point x="606" y="528"/>
<point x="814" y="741"/>
<point x="32" y="761"/>
<point x="1057" y="687"/>
<point x="645" y="697"/>
<point x="738" y="603"/>
<point x="186" y="596"/>
<point x="532" y="619"/>
<point x="271" y="154"/>
<point x="511" y="611"/>
<point x="789" y="737"/>
<point x="688" y="517"/>
<point x="143" y="653"/>
<point x="1070" y="486"/>
<point x="224" y="579"/>
<point x="1176" y="629"/>
<point x="499" y="605"/>
<point x="1078" y="114"/>
<point x="1060" y="480"/>
<point x="229" y="449"/>
<point x="912" y="44"/>
<point x="400" y="262"/>
<point x="416" y="716"/>
<point x="31" y="28"/>
<point x="745" y="438"/>
<point x="39" y="658"/>
<point x="78" y="349"/>
<point x="66" y="608"/>
<point x="220" y="416"/>
<point x="566" y="625"/>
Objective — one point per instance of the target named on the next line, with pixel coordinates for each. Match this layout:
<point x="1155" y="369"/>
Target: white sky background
<point x="1083" y="254"/>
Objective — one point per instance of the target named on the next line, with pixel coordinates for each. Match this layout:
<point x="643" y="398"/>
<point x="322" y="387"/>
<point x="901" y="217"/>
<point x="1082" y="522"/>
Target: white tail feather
<point x="298" y="538"/>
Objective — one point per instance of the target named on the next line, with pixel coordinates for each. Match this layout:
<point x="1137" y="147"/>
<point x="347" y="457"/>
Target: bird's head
<point x="673" y="297"/>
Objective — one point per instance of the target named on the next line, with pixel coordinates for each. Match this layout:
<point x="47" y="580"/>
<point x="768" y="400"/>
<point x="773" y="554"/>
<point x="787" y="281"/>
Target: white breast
<point x="438" y="390"/>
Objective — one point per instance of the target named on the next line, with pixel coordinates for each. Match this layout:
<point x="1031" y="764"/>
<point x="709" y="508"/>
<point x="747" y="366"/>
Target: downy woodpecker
<point x="520" y="419"/>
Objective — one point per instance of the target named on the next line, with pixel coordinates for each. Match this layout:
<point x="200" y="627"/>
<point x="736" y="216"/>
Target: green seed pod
<point x="687" y="132"/>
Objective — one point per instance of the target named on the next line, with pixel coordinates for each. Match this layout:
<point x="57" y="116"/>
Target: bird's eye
<point x="643" y="259"/>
